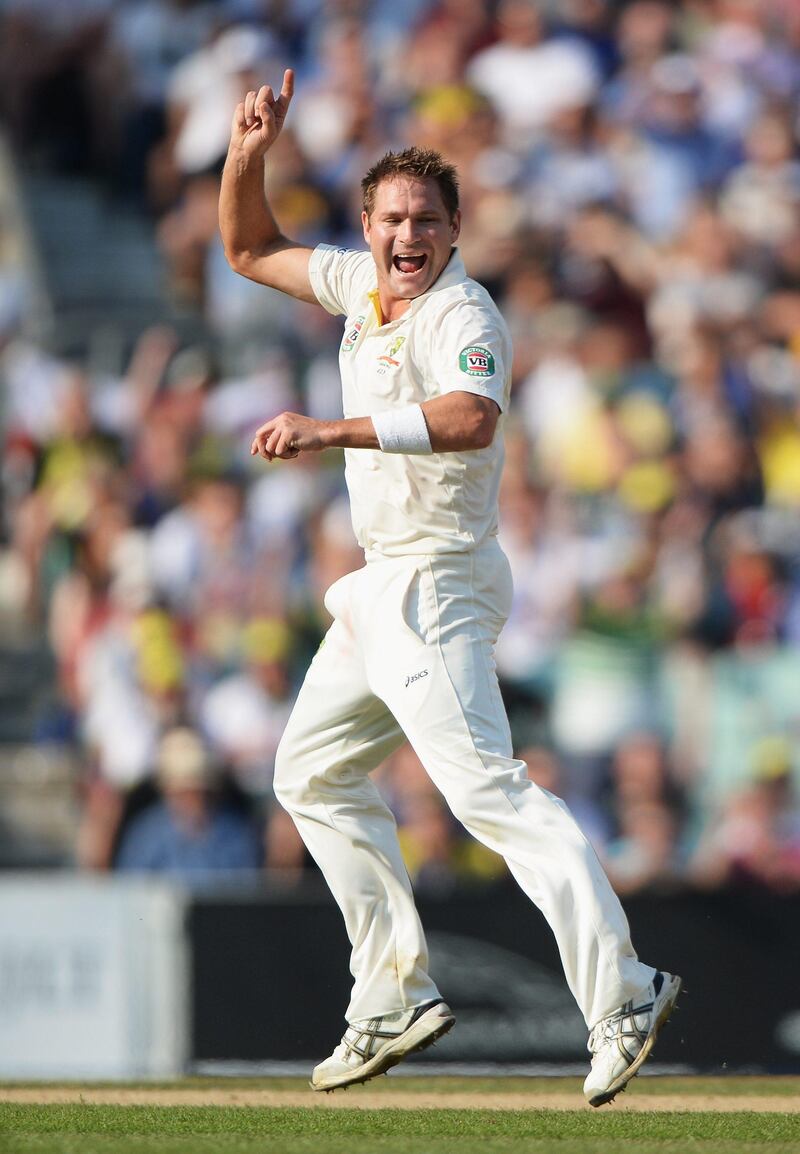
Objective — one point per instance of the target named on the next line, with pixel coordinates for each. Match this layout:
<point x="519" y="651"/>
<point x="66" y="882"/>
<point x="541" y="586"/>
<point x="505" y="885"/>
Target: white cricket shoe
<point x="372" y="1047"/>
<point x="621" y="1042"/>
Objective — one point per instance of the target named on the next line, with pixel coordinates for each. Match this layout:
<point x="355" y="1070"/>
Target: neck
<point x="392" y="309"/>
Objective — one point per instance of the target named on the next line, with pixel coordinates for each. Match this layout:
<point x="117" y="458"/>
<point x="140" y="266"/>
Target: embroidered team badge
<point x="476" y="361"/>
<point x="351" y="336"/>
<point x="388" y="357"/>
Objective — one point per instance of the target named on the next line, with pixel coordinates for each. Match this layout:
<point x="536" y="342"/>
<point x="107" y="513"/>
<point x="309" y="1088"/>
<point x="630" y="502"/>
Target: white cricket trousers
<point x="410" y="654"/>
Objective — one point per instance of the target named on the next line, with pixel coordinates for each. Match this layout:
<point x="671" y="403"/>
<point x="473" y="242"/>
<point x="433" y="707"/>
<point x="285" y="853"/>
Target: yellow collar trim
<point x="374" y="296"/>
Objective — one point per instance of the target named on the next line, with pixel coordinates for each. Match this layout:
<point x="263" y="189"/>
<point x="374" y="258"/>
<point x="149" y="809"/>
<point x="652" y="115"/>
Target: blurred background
<point x="631" y="195"/>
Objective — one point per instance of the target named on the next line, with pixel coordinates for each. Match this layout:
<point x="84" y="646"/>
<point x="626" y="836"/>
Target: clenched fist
<point x="289" y="434"/>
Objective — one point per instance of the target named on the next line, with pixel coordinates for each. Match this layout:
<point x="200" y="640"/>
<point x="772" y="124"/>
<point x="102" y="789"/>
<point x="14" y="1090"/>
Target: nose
<point x="408" y="231"/>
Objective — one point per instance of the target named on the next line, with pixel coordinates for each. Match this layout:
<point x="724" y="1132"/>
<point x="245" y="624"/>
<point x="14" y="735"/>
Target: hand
<point x="287" y="435"/>
<point x="259" y="118"/>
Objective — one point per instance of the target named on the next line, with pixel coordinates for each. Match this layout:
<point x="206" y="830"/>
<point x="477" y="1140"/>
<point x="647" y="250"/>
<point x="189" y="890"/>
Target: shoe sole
<point x="667" y="997"/>
<point x="427" y="1029"/>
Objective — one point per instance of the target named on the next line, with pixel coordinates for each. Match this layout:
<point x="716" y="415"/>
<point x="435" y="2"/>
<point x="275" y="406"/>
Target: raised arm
<point x="254" y="245"/>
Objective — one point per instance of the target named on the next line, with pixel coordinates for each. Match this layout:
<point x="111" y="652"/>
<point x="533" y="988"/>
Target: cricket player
<point x="425" y="362"/>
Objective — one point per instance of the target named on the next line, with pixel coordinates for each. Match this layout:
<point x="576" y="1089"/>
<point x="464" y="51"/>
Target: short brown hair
<point x="419" y="162"/>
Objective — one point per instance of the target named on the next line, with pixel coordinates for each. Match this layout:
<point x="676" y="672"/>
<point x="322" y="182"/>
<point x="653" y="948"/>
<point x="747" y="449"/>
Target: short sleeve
<point x="339" y="276"/>
<point x="471" y="352"/>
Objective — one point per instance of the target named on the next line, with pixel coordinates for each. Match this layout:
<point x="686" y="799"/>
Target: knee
<point x="487" y="810"/>
<point x="301" y="777"/>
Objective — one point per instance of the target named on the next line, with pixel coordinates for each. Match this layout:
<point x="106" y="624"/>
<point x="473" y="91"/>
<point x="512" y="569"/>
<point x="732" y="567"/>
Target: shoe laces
<point x="363" y="1038"/>
<point x="612" y="1028"/>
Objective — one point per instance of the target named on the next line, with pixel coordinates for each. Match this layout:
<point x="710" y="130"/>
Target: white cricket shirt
<point x="452" y="338"/>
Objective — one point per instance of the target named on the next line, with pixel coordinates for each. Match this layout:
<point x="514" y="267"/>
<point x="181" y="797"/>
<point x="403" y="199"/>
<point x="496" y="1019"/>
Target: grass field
<point x="403" y="1116"/>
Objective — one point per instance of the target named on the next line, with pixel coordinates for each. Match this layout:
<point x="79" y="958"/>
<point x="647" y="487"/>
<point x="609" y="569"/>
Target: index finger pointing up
<point x="287" y="91"/>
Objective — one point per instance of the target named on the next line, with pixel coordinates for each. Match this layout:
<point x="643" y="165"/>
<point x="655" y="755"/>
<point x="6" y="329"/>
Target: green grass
<point x="95" y="1129"/>
<point x="726" y="1085"/>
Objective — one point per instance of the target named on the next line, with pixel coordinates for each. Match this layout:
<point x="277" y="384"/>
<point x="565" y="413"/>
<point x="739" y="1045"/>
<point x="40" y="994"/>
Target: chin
<point x="407" y="292"/>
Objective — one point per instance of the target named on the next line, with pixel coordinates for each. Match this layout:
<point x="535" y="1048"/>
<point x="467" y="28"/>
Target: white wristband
<point x="402" y="430"/>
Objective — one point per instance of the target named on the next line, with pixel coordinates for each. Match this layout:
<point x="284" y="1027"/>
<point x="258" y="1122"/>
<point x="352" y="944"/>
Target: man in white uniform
<point x="425" y="363"/>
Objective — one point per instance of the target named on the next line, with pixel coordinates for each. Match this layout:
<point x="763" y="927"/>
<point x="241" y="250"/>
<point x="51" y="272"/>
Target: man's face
<point x="410" y="235"/>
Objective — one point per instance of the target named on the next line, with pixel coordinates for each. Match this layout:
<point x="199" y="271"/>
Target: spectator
<point x="245" y="713"/>
<point x="528" y="77"/>
<point x="646" y="811"/>
<point x="754" y="839"/>
<point x="189" y="833"/>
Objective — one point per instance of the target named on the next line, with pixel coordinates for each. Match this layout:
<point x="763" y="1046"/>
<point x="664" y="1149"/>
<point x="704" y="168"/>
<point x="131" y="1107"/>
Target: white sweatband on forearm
<point x="402" y="430"/>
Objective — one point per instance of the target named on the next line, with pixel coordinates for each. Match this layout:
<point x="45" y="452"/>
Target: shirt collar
<point x="452" y="273"/>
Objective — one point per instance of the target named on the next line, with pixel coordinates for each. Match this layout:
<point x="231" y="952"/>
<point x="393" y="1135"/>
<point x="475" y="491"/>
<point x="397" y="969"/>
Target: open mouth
<point x="409" y="263"/>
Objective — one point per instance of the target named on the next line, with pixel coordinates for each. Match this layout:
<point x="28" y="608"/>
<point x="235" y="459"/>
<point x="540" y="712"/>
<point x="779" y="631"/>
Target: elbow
<point x="232" y="255"/>
<point x="253" y="260"/>
<point x="475" y="430"/>
<point x="484" y="424"/>
<point x="236" y="258"/>
<point x="484" y="434"/>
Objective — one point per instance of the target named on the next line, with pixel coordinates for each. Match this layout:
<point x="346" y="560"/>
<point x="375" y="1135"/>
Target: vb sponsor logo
<point x="476" y="361"/>
<point x="352" y="334"/>
<point x="416" y="677"/>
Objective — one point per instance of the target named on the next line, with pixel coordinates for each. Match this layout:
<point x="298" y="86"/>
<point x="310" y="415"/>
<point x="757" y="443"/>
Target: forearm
<point x="248" y="228"/>
<point x="351" y="433"/>
<point x="456" y="422"/>
<point x="452" y="423"/>
<point x="291" y="433"/>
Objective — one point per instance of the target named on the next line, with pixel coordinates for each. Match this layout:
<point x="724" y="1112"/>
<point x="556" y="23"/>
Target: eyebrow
<point x="389" y="214"/>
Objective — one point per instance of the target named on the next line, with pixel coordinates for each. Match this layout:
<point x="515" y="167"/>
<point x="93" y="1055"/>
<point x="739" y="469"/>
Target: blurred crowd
<point x="631" y="193"/>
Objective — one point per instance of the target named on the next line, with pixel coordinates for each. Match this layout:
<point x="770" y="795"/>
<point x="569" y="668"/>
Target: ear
<point x="455" y="226"/>
<point x="365" y="226"/>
